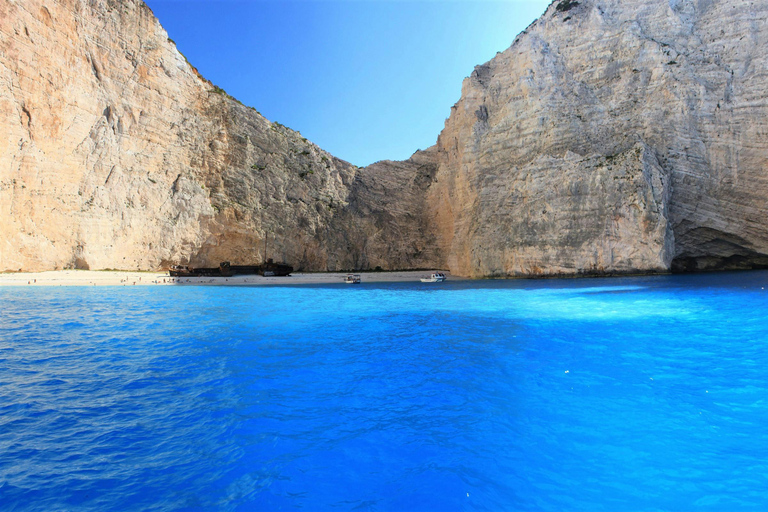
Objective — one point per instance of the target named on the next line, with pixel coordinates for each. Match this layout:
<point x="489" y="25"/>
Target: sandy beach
<point x="124" y="278"/>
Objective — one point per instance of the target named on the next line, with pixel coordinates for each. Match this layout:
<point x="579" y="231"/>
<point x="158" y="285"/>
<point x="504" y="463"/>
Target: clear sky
<point x="364" y="80"/>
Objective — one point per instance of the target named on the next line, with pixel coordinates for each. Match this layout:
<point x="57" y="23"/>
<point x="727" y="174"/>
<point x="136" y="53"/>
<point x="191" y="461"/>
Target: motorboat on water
<point x="353" y="279"/>
<point x="436" y="277"/>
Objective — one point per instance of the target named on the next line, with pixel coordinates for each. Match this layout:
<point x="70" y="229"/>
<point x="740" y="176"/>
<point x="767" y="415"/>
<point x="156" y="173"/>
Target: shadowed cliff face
<point x="610" y="137"/>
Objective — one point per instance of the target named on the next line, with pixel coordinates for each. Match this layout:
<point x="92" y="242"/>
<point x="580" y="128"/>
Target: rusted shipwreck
<point x="225" y="269"/>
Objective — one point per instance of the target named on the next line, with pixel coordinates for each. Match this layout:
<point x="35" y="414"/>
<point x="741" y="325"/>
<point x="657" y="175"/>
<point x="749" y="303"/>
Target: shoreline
<point x="154" y="278"/>
<point x="147" y="278"/>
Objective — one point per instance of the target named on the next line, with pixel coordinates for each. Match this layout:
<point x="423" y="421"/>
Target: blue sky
<point x="365" y="80"/>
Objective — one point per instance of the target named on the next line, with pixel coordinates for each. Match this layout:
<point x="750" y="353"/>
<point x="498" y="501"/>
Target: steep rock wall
<point x="612" y="136"/>
<point x="387" y="222"/>
<point x="117" y="154"/>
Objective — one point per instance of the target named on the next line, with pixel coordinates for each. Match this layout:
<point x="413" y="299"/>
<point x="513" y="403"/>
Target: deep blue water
<point x="592" y="394"/>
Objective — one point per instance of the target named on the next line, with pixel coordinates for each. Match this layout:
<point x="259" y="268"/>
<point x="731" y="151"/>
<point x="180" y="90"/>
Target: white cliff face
<point x="91" y="110"/>
<point x="612" y="136"/>
<point x="117" y="154"/>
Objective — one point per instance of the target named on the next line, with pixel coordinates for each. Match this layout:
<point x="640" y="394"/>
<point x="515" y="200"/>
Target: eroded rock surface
<point x="612" y="136"/>
<point x="117" y="154"/>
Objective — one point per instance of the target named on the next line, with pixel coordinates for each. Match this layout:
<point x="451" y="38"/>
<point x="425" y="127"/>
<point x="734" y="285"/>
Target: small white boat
<point x="353" y="279"/>
<point x="437" y="277"/>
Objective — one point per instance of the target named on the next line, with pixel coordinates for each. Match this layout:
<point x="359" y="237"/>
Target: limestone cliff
<point x="117" y="154"/>
<point x="611" y="137"/>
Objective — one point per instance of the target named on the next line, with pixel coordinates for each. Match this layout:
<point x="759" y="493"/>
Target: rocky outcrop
<point x="387" y="222"/>
<point x="119" y="155"/>
<point x="611" y="137"/>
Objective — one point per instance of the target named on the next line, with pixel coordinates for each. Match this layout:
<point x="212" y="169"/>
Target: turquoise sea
<point x="646" y="393"/>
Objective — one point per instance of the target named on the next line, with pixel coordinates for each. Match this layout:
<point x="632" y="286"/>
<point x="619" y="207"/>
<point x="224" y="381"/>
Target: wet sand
<point x="119" y="278"/>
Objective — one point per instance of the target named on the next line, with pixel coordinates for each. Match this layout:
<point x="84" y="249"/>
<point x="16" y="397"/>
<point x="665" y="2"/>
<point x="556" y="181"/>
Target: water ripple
<point x="640" y="393"/>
